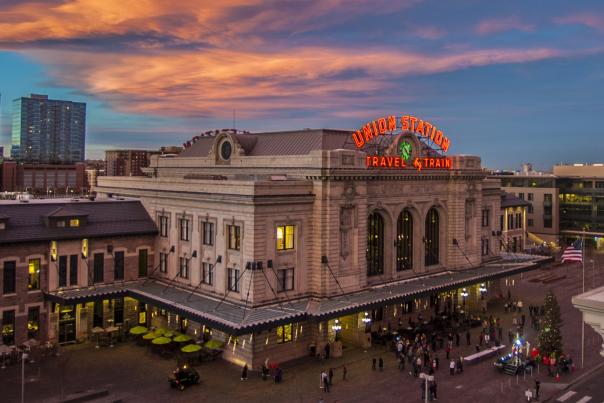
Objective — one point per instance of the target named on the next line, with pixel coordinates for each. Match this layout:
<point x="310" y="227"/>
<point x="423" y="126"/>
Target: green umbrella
<point x="182" y="338"/>
<point x="138" y="330"/>
<point x="214" y="344"/>
<point x="169" y="333"/>
<point x="190" y="348"/>
<point x="151" y="336"/>
<point x="161" y="340"/>
<point x="162" y="330"/>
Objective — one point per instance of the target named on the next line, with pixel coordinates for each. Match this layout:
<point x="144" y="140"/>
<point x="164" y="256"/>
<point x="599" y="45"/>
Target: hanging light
<point x="366" y="319"/>
<point x="336" y="326"/>
<point x="464" y="293"/>
<point x="483" y="287"/>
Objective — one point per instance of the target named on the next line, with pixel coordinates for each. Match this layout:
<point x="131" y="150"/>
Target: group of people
<point x="326" y="378"/>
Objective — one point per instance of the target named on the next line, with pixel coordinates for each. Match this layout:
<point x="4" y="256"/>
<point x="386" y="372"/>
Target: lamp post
<point x="23" y="358"/>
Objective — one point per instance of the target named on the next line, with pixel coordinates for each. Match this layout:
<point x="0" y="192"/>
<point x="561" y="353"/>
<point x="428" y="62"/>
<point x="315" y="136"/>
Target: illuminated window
<point x="404" y="241"/>
<point x="8" y="328"/>
<point x="33" y="322"/>
<point x="284" y="333"/>
<point x="432" y="237"/>
<point x="74" y="222"/>
<point x="33" y="274"/>
<point x="285" y="237"/>
<point x="234" y="237"/>
<point x="375" y="244"/>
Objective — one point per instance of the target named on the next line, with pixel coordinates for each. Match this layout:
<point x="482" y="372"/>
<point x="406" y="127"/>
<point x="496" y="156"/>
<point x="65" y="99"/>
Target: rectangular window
<point x="600" y="184"/>
<point x="521" y="196"/>
<point x="485" y="217"/>
<point x="184" y="267"/>
<point x="285" y="237"/>
<point x="163" y="226"/>
<point x="485" y="247"/>
<point x="73" y="270"/>
<point x="234" y="237"/>
<point x="284" y="333"/>
<point x="207" y="273"/>
<point x="510" y="222"/>
<point x="8" y="328"/>
<point x="208" y="233"/>
<point x="530" y="222"/>
<point x="184" y="229"/>
<point x="547" y="198"/>
<point x="518" y="220"/>
<point x="285" y="279"/>
<point x="33" y="322"/>
<point x="33" y="274"/>
<point x="118" y="311"/>
<point x="9" y="277"/>
<point x="97" y="315"/>
<point x="74" y="222"/>
<point x="531" y="210"/>
<point x="98" y="268"/>
<point x="62" y="271"/>
<point x="143" y="257"/>
<point x="119" y="265"/>
<point x="531" y="196"/>
<point x="163" y="262"/>
<point x="233" y="280"/>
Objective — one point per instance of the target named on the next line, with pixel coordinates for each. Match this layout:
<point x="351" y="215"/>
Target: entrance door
<point x="67" y="324"/>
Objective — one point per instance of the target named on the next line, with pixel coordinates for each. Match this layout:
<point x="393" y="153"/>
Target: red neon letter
<point x="428" y="128"/>
<point x="438" y="139"/>
<point x="358" y="139"/>
<point x="420" y="128"/>
<point x="368" y="161"/>
<point x="375" y="129"/>
<point x="382" y="125"/>
<point x="405" y="123"/>
<point x="367" y="132"/>
<point x="413" y="119"/>
<point x="391" y="123"/>
<point x="445" y="145"/>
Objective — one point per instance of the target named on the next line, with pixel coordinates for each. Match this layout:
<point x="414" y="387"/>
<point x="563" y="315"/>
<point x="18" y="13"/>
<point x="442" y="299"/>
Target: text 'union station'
<point x="274" y="243"/>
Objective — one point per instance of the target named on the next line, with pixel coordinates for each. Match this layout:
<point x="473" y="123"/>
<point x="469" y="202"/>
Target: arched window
<point x="404" y="241"/>
<point x="432" y="237"/>
<point x="375" y="244"/>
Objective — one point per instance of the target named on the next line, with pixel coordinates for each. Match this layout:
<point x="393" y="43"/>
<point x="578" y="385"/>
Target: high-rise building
<point x="48" y="130"/>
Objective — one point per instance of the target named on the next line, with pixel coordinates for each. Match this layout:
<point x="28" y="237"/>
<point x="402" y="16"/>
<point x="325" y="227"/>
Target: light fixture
<point x="336" y="326"/>
<point x="464" y="293"/>
<point x="366" y="319"/>
<point x="482" y="288"/>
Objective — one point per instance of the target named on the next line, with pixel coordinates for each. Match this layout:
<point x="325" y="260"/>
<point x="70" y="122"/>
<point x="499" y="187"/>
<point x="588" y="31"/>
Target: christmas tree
<point x="550" y="339"/>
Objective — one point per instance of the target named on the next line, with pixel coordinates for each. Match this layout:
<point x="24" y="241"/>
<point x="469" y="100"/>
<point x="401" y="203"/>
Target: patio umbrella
<point x="161" y="341"/>
<point x="191" y="348"/>
<point x="138" y="330"/>
<point x="151" y="336"/>
<point x="214" y="344"/>
<point x="181" y="338"/>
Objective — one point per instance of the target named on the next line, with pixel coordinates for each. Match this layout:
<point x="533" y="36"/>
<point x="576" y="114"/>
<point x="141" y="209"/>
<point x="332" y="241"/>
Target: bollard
<point x="516" y="379"/>
<point x="510" y="382"/>
<point x="524" y="375"/>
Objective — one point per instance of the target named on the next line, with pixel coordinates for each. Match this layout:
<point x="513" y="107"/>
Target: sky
<point x="511" y="81"/>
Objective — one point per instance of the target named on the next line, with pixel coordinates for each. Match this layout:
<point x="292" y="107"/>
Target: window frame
<point x="288" y="239"/>
<point x="285" y="279"/>
<point x="285" y="333"/>
<point x="143" y="269"/>
<point x="73" y="269"/>
<point x="184" y="267"/>
<point x="35" y="312"/>
<point x="121" y="267"/>
<point x="233" y="280"/>
<point x="233" y="237"/>
<point x="6" y="279"/>
<point x="207" y="273"/>
<point x="98" y="267"/>
<point x="164" y="225"/>
<point x="207" y="233"/>
<point x="163" y="262"/>
<point x="62" y="271"/>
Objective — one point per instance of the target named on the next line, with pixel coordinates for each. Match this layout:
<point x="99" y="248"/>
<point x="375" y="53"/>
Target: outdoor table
<point x="191" y="352"/>
<point x="97" y="331"/>
<point x="111" y="330"/>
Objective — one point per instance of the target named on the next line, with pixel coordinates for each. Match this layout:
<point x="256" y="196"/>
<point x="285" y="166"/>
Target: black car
<point x="184" y="376"/>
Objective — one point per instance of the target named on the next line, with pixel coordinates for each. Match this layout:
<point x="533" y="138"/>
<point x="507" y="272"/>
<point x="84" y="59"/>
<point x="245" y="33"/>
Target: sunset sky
<point x="511" y="81"/>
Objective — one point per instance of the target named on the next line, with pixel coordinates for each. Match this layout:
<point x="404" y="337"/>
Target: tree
<point x="550" y="339"/>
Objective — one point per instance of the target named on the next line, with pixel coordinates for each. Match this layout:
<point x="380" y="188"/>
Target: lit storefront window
<point x="33" y="274"/>
<point x="284" y="333"/>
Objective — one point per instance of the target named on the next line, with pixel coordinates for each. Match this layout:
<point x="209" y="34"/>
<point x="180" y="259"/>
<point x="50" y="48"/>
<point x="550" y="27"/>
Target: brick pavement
<point x="134" y="374"/>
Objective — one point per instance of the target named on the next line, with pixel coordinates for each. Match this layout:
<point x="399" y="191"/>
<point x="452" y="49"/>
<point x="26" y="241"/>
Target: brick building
<point x="49" y="246"/>
<point x="42" y="179"/>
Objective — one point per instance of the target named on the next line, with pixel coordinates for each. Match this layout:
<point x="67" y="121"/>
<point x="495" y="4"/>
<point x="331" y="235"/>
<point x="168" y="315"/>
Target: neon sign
<point x="405" y="158"/>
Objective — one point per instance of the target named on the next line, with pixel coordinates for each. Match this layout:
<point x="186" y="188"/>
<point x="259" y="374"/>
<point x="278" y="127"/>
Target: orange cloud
<point x="590" y="20"/>
<point x="495" y="25"/>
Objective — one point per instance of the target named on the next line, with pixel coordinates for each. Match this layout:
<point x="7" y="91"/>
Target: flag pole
<point x="582" y="316"/>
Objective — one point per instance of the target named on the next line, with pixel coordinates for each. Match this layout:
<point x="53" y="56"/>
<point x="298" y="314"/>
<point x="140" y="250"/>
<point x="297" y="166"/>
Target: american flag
<point x="573" y="253"/>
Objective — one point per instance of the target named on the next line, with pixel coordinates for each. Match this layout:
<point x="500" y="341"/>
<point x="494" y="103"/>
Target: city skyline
<point x="511" y="77"/>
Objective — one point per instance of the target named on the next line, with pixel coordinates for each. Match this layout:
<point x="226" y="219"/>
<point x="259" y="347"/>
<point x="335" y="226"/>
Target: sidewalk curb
<point x="577" y="380"/>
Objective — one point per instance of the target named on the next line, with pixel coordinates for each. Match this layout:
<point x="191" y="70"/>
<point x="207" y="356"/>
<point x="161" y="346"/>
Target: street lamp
<point x="366" y="319"/>
<point x="464" y="295"/>
<point x="336" y="327"/>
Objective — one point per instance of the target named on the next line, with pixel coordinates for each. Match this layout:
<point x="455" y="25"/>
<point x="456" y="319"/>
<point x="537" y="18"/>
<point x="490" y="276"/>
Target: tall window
<point x="207" y="233"/>
<point x="33" y="322"/>
<point x="207" y="273"/>
<point x="184" y="229"/>
<point x="73" y="270"/>
<point x="163" y="226"/>
<point x="518" y="220"/>
<point x="119" y="265"/>
<point x="432" y="237"/>
<point x="484" y="246"/>
<point x="375" y="244"/>
<point x="97" y="315"/>
<point x="404" y="241"/>
<point x="143" y="260"/>
<point x="234" y="237"/>
<point x="8" y="328"/>
<point x="285" y="279"/>
<point x="284" y="333"/>
<point x="118" y="311"/>
<point x="233" y="280"/>
<point x="285" y="237"/>
<point x="184" y="267"/>
<point x="9" y="277"/>
<point x="163" y="262"/>
<point x="98" y="273"/>
<point x="485" y="217"/>
<point x="510" y="221"/>
<point x="33" y="274"/>
<point x="531" y="196"/>
<point x="62" y="271"/>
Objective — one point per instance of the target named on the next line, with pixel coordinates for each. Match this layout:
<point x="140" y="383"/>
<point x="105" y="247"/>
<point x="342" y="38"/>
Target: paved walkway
<point x="134" y="374"/>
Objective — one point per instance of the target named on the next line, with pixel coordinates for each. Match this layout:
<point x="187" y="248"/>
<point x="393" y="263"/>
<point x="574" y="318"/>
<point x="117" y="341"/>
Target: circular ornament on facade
<point x="226" y="149"/>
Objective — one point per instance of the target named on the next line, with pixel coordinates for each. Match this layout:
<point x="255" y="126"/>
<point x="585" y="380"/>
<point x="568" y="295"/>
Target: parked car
<point x="183" y="376"/>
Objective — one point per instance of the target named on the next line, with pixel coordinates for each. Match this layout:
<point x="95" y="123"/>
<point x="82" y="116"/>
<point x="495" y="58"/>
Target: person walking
<point x="460" y="364"/>
<point x="468" y="337"/>
<point x="344" y="372"/>
<point x="457" y="339"/>
<point x="374" y="361"/>
<point x="330" y="376"/>
<point x="381" y="364"/>
<point x="537" y="386"/>
<point x="325" y="381"/>
<point x="244" y="373"/>
<point x="327" y="350"/>
<point x="452" y="367"/>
